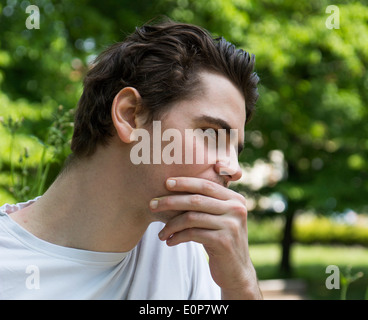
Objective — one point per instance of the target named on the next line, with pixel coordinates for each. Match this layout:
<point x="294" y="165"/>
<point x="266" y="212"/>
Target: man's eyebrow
<point x="220" y="123"/>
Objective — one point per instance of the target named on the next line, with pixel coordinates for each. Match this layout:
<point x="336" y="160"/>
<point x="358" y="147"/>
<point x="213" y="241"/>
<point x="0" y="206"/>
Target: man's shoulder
<point x="11" y="208"/>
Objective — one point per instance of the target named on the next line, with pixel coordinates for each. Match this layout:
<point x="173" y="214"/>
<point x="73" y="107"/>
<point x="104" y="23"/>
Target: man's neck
<point x="88" y="207"/>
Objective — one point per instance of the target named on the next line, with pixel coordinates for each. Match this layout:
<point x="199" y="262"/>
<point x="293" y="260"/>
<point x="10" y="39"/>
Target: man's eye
<point x="211" y="131"/>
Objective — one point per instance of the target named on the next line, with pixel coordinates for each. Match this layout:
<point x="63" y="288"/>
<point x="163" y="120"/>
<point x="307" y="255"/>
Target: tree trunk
<point x="286" y="243"/>
<point x="286" y="269"/>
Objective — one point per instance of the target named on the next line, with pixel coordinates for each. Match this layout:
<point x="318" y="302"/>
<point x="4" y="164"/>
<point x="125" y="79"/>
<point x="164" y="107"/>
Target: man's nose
<point x="229" y="167"/>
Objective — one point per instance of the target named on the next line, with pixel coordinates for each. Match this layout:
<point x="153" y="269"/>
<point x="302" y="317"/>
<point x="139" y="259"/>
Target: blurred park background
<point x="306" y="154"/>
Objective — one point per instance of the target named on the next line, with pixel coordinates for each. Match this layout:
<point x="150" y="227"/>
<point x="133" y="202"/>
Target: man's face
<point x="221" y="106"/>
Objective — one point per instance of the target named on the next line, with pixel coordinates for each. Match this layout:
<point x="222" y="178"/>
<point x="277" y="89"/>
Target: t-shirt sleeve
<point x="203" y="286"/>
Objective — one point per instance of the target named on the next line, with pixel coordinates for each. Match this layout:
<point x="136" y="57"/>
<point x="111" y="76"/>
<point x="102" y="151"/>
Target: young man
<point x="112" y="228"/>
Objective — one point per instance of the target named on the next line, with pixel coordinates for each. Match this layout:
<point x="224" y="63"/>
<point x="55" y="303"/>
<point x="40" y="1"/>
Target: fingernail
<point x="169" y="241"/>
<point x="161" y="234"/>
<point x="154" y="203"/>
<point x="171" y="183"/>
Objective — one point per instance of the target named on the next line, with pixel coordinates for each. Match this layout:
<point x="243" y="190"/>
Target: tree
<point x="316" y="110"/>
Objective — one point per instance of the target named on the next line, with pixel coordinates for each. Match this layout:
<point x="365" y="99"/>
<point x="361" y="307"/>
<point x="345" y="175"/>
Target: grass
<point x="310" y="262"/>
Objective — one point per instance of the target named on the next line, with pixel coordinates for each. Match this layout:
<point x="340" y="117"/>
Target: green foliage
<point x="319" y="229"/>
<point x="264" y="230"/>
<point x="310" y="262"/>
<point x="312" y="105"/>
<point x="310" y="229"/>
<point x="29" y="172"/>
<point x="347" y="279"/>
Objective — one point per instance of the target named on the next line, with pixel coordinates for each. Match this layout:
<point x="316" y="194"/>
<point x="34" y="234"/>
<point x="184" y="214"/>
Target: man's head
<point x="163" y="62"/>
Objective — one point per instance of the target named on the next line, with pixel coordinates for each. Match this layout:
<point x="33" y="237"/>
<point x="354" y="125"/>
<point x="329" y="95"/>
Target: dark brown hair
<point x="162" y="61"/>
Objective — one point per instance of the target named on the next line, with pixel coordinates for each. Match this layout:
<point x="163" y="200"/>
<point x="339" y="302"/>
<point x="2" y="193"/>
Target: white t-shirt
<point x="31" y="268"/>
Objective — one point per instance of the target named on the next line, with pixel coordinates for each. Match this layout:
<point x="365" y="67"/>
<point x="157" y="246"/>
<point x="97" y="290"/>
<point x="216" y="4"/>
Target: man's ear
<point x="125" y="106"/>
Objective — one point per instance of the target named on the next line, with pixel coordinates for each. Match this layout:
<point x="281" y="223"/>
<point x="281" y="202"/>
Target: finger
<point x="202" y="186"/>
<point x="189" y="202"/>
<point x="188" y="220"/>
<point x="203" y="236"/>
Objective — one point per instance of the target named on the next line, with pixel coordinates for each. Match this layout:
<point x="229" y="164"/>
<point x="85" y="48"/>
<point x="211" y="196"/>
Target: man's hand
<point x="217" y="218"/>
